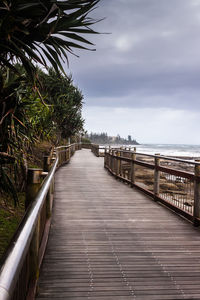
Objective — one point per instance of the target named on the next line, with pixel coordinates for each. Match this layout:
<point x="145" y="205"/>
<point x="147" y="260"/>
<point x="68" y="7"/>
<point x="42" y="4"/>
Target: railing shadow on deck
<point x="20" y="267"/>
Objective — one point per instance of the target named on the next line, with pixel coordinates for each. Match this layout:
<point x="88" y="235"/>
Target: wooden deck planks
<point x="109" y="241"/>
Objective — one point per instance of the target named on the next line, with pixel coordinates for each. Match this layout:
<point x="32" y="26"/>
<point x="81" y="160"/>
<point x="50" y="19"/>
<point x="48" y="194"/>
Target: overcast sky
<point x="144" y="77"/>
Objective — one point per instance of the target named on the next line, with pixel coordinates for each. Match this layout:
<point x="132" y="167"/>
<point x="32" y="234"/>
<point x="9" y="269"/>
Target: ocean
<point x="179" y="150"/>
<point x="192" y="151"/>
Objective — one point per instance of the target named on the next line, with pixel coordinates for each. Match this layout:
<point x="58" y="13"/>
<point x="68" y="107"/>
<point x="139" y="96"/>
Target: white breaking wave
<point x="170" y="150"/>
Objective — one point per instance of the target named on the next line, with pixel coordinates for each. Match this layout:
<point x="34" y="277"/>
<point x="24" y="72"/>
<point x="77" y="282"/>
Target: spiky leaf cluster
<point x="43" y="31"/>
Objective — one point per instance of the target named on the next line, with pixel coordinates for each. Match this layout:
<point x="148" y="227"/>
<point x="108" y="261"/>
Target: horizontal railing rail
<point x="98" y="150"/>
<point x="20" y="266"/>
<point x="86" y="145"/>
<point x="172" y="181"/>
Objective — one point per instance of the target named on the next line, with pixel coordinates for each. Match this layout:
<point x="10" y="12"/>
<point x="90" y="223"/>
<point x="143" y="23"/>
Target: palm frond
<point x="56" y="26"/>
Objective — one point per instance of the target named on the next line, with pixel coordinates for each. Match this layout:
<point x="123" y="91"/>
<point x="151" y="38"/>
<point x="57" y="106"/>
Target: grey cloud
<point x="177" y="87"/>
<point x="152" y="57"/>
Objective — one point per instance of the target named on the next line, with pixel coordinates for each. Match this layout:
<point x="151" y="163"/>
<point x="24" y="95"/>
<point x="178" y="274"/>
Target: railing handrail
<point x="19" y="248"/>
<point x="189" y="183"/>
<point x="195" y="163"/>
<point x="65" y="146"/>
<point x="152" y="166"/>
<point x="17" y="253"/>
<point x="160" y="156"/>
<point x="168" y="158"/>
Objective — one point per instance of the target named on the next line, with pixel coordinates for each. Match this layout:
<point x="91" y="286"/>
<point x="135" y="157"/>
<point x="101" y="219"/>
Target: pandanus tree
<point x="43" y="31"/>
<point x="36" y="32"/>
<point x="40" y="31"/>
<point x="27" y="119"/>
<point x="66" y="101"/>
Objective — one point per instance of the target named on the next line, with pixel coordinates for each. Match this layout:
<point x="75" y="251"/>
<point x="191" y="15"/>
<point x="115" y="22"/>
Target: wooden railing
<point x="20" y="267"/>
<point x="98" y="150"/>
<point x="173" y="182"/>
<point x="86" y="145"/>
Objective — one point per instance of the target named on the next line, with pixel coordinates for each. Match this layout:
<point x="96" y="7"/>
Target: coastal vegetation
<point x="40" y="107"/>
<point x="103" y="138"/>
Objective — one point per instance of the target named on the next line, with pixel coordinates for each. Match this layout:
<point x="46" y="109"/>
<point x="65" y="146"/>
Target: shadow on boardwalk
<point x="109" y="241"/>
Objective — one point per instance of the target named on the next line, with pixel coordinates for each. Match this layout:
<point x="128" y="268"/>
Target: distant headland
<point x="103" y="138"/>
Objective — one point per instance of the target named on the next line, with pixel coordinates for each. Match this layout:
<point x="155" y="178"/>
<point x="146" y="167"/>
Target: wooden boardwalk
<point x="109" y="241"/>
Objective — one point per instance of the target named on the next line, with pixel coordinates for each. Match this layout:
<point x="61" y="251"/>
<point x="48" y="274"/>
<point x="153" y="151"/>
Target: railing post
<point x="34" y="252"/>
<point x="46" y="163"/>
<point x="106" y="159"/>
<point x="61" y="156"/>
<point x="156" y="176"/>
<point x="69" y="154"/>
<point x="196" y="213"/>
<point x="109" y="158"/>
<point x="65" y="154"/>
<point x="46" y="167"/>
<point x="53" y="156"/>
<point x="33" y="185"/>
<point x="121" y="171"/>
<point x="118" y="163"/>
<point x="112" y="161"/>
<point x="48" y="202"/>
<point x="133" y="157"/>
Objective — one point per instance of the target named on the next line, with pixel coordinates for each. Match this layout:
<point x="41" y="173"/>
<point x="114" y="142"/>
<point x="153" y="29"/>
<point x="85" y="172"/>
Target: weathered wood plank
<point x="109" y="241"/>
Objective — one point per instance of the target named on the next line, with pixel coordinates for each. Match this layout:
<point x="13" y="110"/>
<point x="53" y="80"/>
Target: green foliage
<point x="27" y="119"/>
<point x="103" y="138"/>
<point x="29" y="116"/>
<point x="10" y="218"/>
<point x="23" y="116"/>
<point x="66" y="102"/>
<point x="85" y="140"/>
<point x="18" y="129"/>
<point x="35" y="32"/>
<point x="6" y="184"/>
<point x="38" y="31"/>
